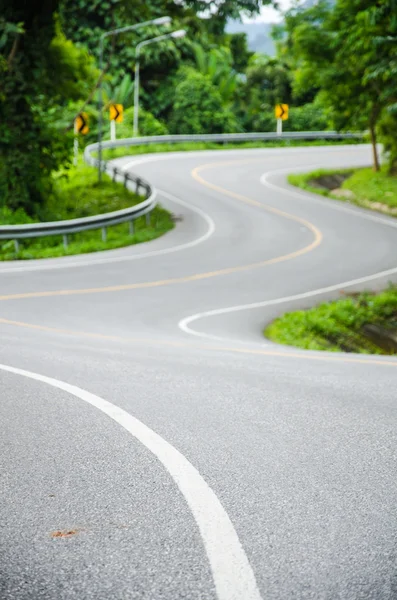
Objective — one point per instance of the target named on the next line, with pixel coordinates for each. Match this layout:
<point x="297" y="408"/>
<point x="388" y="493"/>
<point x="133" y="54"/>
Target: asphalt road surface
<point x="155" y="446"/>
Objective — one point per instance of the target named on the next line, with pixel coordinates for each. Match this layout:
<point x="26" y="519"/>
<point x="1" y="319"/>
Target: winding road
<point x="154" y="445"/>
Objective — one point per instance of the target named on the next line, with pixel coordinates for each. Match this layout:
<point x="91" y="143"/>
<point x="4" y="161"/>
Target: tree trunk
<point x="372" y="129"/>
<point x="13" y="51"/>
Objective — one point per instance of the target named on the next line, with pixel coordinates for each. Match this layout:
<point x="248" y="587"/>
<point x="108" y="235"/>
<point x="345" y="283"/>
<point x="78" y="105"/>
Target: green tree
<point x="217" y="66"/>
<point x="119" y="94"/>
<point x="309" y="117"/>
<point x="222" y="10"/>
<point x="72" y="69"/>
<point x="85" y="21"/>
<point x="300" y="31"/>
<point x="337" y="53"/>
<point x="364" y="81"/>
<point x="38" y="67"/>
<point x="148" y="125"/>
<point x="198" y="106"/>
<point x="267" y="82"/>
<point x="239" y="50"/>
<point x="28" y="150"/>
<point x="272" y="77"/>
<point x="383" y="17"/>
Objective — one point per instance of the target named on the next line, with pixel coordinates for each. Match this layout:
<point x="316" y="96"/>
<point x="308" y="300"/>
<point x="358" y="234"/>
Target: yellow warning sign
<point x="81" y="124"/>
<point x="282" y="111"/>
<point x="116" y="113"/>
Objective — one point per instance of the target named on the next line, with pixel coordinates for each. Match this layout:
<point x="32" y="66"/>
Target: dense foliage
<point x="345" y="54"/>
<point x="336" y="65"/>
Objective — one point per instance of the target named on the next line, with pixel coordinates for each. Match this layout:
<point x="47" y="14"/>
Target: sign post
<point x="115" y="116"/>
<point x="80" y="126"/>
<point x="113" y="130"/>
<point x="75" y="144"/>
<point x="281" y="112"/>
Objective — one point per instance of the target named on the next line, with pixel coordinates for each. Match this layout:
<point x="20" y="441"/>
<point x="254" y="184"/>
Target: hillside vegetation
<point x="335" y="65"/>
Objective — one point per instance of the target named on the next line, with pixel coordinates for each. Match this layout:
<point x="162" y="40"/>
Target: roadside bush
<point x="148" y="124"/>
<point x="338" y="325"/>
<point x="263" y="119"/>
<point x="198" y="107"/>
<point x="9" y="217"/>
<point x="309" y="117"/>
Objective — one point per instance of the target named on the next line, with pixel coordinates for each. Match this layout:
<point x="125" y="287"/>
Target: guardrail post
<point x="125" y="179"/>
<point x="131" y="227"/>
<point x="114" y="174"/>
<point x="148" y="219"/>
<point x="138" y="185"/>
<point x="104" y="234"/>
<point x="16" y="245"/>
<point x="65" y="240"/>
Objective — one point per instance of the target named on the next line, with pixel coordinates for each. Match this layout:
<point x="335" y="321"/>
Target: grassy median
<point x="76" y="193"/>
<point x="363" y="323"/>
<point x="363" y="187"/>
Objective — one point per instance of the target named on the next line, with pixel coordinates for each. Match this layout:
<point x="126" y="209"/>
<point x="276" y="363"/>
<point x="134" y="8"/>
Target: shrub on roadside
<point x="309" y="117"/>
<point x="198" y="107"/>
<point x="148" y="124"/>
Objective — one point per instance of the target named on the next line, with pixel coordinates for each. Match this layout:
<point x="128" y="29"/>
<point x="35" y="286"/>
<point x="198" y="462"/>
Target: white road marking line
<point x="101" y="261"/>
<point x="334" y="204"/>
<point x="184" y="324"/>
<point x="231" y="571"/>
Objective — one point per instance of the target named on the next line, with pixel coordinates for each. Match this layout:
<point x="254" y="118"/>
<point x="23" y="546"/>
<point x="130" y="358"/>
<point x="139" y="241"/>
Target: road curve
<point x="155" y="446"/>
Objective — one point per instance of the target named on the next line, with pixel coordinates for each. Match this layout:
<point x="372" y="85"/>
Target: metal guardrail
<point x="64" y="228"/>
<point x="219" y="138"/>
<point x="101" y="221"/>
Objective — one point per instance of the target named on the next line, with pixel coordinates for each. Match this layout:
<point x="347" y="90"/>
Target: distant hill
<point x="258" y="35"/>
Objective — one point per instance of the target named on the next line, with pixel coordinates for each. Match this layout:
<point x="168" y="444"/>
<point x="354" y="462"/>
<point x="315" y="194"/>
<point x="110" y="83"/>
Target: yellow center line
<point x="87" y="334"/>
<point x="302" y="355"/>
<point x="167" y="343"/>
<point x="198" y="276"/>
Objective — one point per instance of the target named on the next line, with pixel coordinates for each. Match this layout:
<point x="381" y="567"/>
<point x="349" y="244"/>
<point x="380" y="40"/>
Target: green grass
<point x="109" y="154"/>
<point x="306" y="181"/>
<point x="373" y="187"/>
<point x="377" y="191"/>
<point x="79" y="195"/>
<point x="337" y="326"/>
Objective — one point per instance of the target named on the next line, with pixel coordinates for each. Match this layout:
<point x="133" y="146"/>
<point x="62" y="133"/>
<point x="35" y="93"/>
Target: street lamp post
<point x="174" y="34"/>
<point x="159" y="21"/>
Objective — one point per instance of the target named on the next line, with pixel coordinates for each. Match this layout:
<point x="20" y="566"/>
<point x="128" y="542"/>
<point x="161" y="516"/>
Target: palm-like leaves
<point x="217" y="65"/>
<point x="120" y="94"/>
